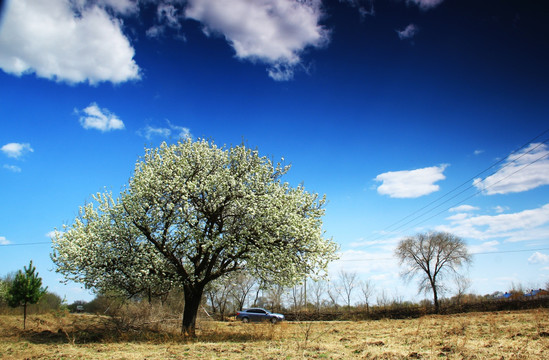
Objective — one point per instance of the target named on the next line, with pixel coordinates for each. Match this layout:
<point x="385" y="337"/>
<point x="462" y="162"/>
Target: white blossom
<point x="191" y="213"/>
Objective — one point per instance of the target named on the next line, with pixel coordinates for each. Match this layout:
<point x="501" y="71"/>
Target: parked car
<point x="258" y="314"/>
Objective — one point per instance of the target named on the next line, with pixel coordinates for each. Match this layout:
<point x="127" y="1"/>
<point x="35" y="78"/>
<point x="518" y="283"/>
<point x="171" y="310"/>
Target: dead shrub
<point x="127" y="316"/>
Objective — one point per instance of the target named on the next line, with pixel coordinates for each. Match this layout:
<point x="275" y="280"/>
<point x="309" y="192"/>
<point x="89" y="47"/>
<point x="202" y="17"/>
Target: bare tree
<point x="383" y="298"/>
<point x="274" y="296"/>
<point x="318" y="289"/>
<point x="217" y="294"/>
<point x="348" y="282"/>
<point x="517" y="290"/>
<point x="242" y="284"/>
<point x="261" y="285"/>
<point x="462" y="286"/>
<point x="398" y="299"/>
<point x="333" y="294"/>
<point x="430" y="257"/>
<point x="297" y="296"/>
<point x="367" y="290"/>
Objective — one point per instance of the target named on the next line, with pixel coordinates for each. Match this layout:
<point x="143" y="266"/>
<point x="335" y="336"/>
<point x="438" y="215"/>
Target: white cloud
<point x="12" y="168"/>
<point x="500" y="209"/>
<point x="363" y="262"/>
<point x="168" y="16"/>
<point x="149" y="132"/>
<point x="462" y="212"/>
<point x="16" y="150"/>
<point x="409" y="32"/>
<point x="478" y="152"/>
<point x="525" y="225"/>
<point x="410" y="183"/>
<point x="383" y="244"/>
<point x="52" y="234"/>
<point x="463" y="208"/>
<point x="365" y="7"/>
<point x="383" y="277"/>
<point x="458" y="217"/>
<point x="180" y="132"/>
<point x="521" y="171"/>
<point x="275" y="32"/>
<point x="123" y="7"/>
<point x="281" y="72"/>
<point x="487" y="246"/>
<point x="538" y="258"/>
<point x="4" y="241"/>
<point x="425" y="4"/>
<point x="48" y="38"/>
<point x="100" y="119"/>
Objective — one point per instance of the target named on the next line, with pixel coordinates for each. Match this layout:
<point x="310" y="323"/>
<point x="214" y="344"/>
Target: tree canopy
<point x="430" y="257"/>
<point x="192" y="213"/>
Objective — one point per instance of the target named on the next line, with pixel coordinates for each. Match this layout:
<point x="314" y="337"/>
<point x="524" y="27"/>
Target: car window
<point x="256" y="311"/>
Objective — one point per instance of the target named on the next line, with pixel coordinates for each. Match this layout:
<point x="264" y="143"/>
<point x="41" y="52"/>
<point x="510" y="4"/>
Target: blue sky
<point x="385" y="106"/>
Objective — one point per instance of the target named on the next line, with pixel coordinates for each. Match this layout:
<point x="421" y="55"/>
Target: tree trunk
<point x="24" y="316"/>
<point x="193" y="296"/>
<point x="435" y="299"/>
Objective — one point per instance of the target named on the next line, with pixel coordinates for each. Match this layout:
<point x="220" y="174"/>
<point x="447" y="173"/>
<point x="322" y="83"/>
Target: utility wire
<point x="471" y="186"/>
<point x="478" y="192"/>
<point x="388" y="228"/>
<point x="475" y="253"/>
<point x="27" y="244"/>
<point x="475" y="176"/>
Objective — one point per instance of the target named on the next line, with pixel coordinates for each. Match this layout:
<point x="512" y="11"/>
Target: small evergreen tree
<point x="25" y="289"/>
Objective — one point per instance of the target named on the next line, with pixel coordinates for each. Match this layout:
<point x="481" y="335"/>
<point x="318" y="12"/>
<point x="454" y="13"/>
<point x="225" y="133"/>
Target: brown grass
<point x="498" y="335"/>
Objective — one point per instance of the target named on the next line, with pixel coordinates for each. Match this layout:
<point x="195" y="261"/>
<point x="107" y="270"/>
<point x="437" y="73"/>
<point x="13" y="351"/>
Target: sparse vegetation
<point x="490" y="335"/>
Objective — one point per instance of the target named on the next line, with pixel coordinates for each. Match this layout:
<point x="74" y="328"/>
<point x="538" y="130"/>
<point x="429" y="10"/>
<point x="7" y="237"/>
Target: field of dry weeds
<point x="501" y="335"/>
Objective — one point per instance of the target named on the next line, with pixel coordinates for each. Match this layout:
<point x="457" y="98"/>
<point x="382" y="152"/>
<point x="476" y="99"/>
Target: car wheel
<point x="245" y="320"/>
<point x="273" y="320"/>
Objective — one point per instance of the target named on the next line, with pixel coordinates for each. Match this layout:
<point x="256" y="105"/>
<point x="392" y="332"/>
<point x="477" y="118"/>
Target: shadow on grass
<point x="64" y="337"/>
<point x="107" y="334"/>
<point x="236" y="332"/>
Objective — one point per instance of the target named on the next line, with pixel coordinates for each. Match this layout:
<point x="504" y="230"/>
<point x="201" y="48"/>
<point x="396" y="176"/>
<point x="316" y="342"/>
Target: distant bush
<point x="409" y="310"/>
<point x="49" y="302"/>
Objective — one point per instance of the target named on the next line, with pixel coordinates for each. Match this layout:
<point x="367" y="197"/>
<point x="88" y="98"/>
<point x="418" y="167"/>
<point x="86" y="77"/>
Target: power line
<point x="473" y="185"/>
<point x="388" y="228"/>
<point x="508" y="251"/>
<point x="476" y="253"/>
<point x="476" y="176"/>
<point x="348" y="260"/>
<point x="28" y="244"/>
<point x="478" y="192"/>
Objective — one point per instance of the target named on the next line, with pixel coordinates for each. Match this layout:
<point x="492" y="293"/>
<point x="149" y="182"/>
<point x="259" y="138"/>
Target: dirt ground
<point x="494" y="335"/>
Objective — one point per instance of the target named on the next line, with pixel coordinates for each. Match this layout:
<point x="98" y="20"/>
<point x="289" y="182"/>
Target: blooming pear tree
<point x="192" y="213"/>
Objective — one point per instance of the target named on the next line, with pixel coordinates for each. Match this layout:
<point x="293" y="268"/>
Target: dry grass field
<point x="501" y="335"/>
